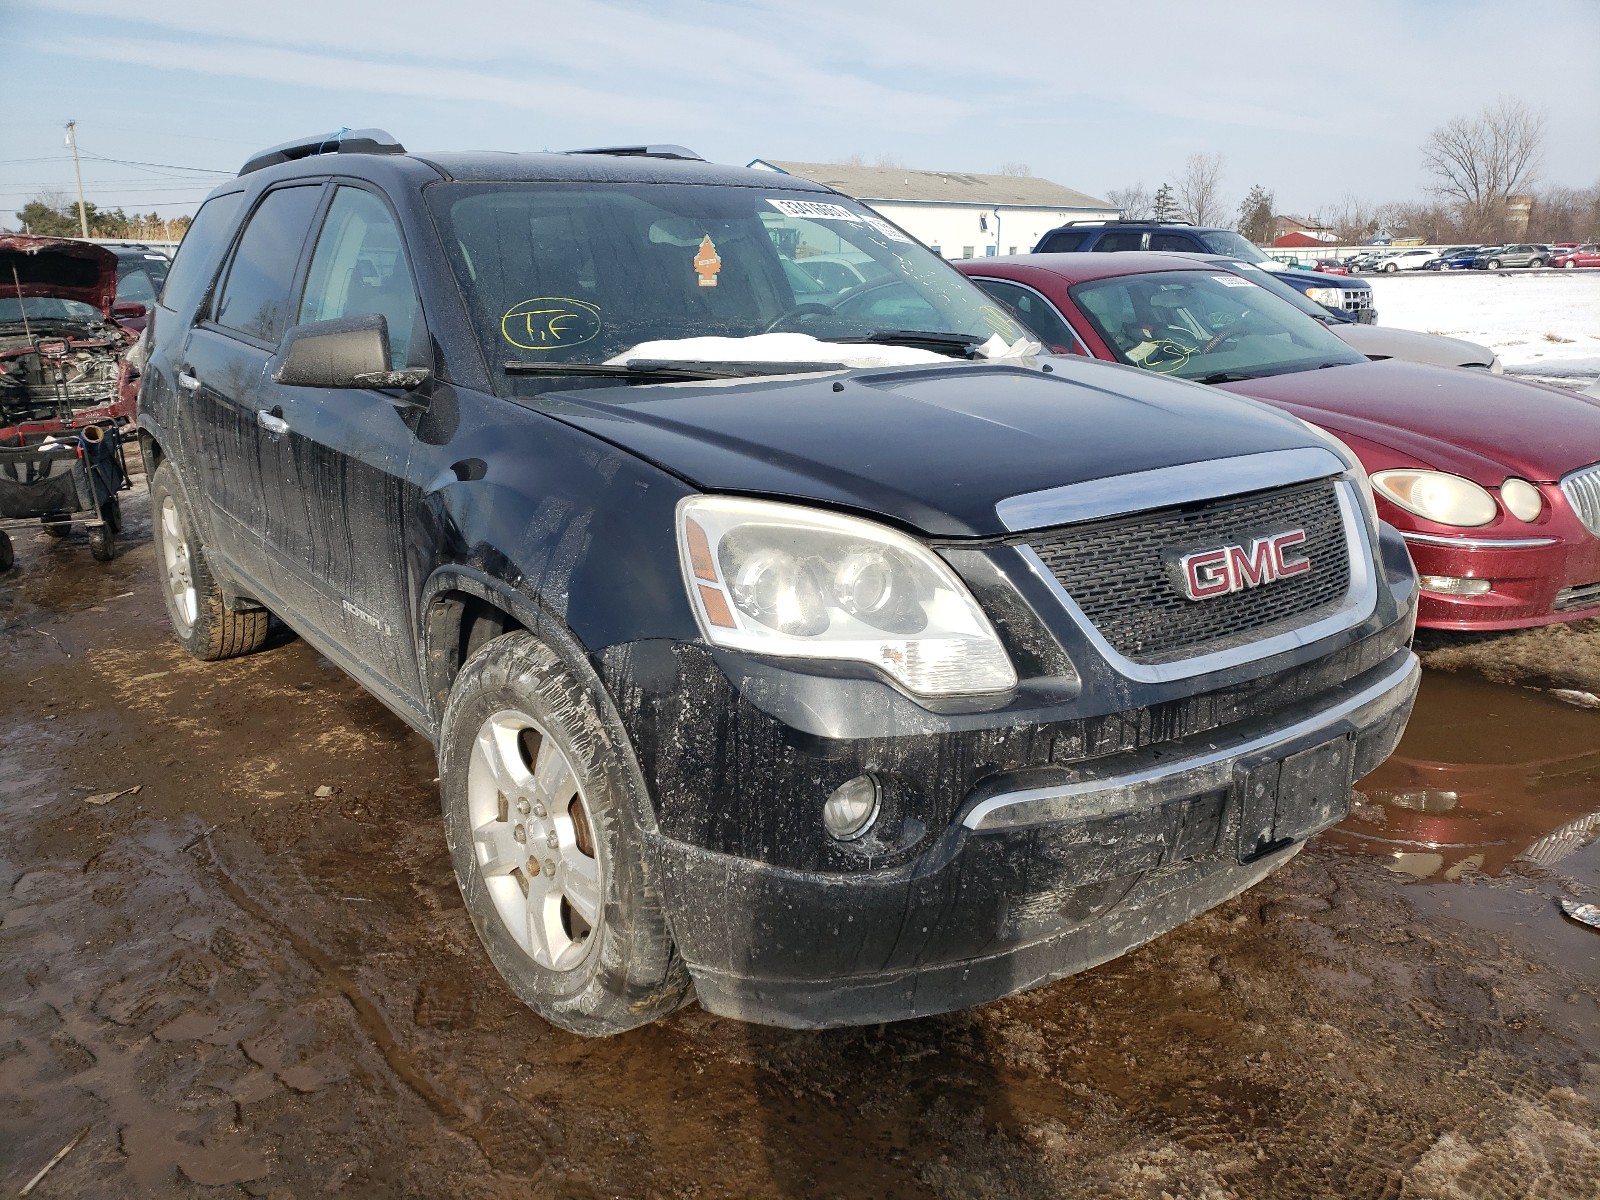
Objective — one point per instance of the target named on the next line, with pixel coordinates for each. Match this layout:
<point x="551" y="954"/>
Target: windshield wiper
<point x="1225" y="377"/>
<point x="925" y="339"/>
<point x="666" y="368"/>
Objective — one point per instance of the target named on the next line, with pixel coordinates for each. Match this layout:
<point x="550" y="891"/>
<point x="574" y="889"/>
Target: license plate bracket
<point x="1288" y="799"/>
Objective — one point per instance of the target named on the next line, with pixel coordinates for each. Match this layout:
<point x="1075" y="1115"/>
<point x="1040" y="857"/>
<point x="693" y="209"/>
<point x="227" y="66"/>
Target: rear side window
<point x="197" y="257"/>
<point x="1120" y="239"/>
<point x="359" y="268"/>
<point x="1063" y="241"/>
<point x="255" y="294"/>
<point x="1173" y="241"/>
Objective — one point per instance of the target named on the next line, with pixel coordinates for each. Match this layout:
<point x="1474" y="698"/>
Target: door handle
<point x="272" y="421"/>
<point x="188" y="382"/>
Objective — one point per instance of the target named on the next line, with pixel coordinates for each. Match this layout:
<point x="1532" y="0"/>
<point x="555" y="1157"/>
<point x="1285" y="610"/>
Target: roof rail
<point x="1128" y="221"/>
<point x="344" y="141"/>
<point x="661" y="151"/>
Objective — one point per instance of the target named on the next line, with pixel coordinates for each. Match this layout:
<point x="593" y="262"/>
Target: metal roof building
<point x="957" y="213"/>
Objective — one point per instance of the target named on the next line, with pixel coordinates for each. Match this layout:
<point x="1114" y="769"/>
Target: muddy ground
<point x="232" y="985"/>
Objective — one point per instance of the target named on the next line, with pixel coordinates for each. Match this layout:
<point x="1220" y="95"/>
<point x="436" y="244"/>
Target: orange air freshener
<point x="707" y="262"/>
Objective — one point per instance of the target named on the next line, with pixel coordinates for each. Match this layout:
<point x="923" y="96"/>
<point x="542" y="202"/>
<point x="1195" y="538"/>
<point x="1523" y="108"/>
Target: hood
<point x="1473" y="423"/>
<point x="1379" y="341"/>
<point x="932" y="448"/>
<point x="58" y="267"/>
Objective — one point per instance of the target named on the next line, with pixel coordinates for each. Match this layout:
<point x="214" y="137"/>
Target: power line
<point x="127" y="162"/>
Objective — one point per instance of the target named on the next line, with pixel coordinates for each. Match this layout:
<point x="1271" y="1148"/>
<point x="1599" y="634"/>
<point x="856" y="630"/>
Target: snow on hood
<point x="803" y="348"/>
<point x="60" y="268"/>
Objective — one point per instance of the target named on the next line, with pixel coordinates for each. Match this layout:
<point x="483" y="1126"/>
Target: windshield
<point x="1207" y="327"/>
<point x="558" y="273"/>
<point x="47" y="308"/>
<point x="1223" y="242"/>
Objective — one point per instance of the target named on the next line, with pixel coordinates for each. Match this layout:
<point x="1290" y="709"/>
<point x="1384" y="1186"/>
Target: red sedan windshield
<point x="1206" y="326"/>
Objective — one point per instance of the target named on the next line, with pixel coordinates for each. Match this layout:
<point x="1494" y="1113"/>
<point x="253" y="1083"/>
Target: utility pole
<point x="72" y="140"/>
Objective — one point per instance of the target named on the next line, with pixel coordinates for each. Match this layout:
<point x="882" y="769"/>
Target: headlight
<point x="780" y="579"/>
<point x="1522" y="499"/>
<point x="1327" y="297"/>
<point x="1447" y="499"/>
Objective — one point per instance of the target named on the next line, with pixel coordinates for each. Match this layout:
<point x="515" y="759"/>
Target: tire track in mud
<point x="368" y="1018"/>
<point x="503" y="1148"/>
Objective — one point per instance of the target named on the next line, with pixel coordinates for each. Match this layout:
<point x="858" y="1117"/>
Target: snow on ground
<point x="1546" y="325"/>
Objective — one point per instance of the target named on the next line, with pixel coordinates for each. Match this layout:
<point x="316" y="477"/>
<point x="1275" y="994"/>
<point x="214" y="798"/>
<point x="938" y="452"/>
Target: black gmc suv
<point x="829" y="657"/>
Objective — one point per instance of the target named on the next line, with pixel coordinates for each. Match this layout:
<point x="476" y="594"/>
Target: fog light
<point x="1522" y="499"/>
<point x="852" y="808"/>
<point x="1449" y="585"/>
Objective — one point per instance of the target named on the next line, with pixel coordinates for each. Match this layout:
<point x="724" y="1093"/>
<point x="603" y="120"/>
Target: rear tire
<point x="202" y="623"/>
<point x="539" y="815"/>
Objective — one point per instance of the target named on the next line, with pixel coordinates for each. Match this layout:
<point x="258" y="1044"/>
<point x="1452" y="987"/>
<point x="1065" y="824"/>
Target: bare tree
<point x="1020" y="170"/>
<point x="1480" y="162"/>
<point x="1135" y="201"/>
<point x="1352" y="220"/>
<point x="1200" y="190"/>
<point x="887" y="159"/>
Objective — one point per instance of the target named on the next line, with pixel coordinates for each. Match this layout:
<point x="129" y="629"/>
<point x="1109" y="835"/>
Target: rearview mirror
<point x="347" y="352"/>
<point x="132" y="309"/>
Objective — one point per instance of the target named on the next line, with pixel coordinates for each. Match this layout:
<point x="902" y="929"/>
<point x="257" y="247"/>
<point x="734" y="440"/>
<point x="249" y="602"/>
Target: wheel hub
<point x="179" y="569"/>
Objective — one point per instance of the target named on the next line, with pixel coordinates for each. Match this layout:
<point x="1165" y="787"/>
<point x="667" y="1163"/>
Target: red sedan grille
<point x="1582" y="490"/>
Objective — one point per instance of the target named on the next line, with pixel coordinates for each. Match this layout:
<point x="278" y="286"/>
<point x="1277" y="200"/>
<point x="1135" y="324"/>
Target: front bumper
<point x="1531" y="584"/>
<point x="1046" y="872"/>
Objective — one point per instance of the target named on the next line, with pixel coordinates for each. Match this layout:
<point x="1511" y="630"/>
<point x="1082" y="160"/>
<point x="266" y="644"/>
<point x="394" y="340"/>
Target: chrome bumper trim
<point x="1108" y="795"/>
<point x="1433" y="539"/>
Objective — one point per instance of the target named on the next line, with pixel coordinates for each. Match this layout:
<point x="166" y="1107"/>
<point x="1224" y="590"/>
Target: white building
<point x="954" y="213"/>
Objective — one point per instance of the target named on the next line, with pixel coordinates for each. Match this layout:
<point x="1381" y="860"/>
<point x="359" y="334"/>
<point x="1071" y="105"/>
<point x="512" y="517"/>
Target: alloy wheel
<point x="533" y="841"/>
<point x="177" y="559"/>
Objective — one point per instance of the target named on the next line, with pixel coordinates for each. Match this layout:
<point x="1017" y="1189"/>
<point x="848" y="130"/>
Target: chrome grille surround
<point x="1582" y="490"/>
<point x="1332" y="613"/>
<point x="1356" y="299"/>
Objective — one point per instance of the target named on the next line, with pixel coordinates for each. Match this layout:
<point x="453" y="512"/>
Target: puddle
<point x="1488" y="779"/>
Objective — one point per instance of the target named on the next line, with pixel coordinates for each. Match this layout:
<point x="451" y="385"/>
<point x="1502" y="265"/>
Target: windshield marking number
<point x="551" y="323"/>
<point x="814" y="210"/>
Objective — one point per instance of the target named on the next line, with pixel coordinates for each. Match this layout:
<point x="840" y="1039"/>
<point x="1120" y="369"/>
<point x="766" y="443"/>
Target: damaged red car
<point x="67" y="389"/>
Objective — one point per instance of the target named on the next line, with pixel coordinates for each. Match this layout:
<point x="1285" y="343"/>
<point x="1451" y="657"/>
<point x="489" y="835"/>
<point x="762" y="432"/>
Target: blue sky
<point x="1315" y="101"/>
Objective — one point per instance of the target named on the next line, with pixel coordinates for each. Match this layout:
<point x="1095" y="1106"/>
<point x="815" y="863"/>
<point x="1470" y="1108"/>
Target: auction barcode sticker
<point x="814" y="210"/>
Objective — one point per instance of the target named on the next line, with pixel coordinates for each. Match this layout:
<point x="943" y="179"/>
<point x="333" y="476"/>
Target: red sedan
<point x="1494" y="482"/>
<point x="1576" y="256"/>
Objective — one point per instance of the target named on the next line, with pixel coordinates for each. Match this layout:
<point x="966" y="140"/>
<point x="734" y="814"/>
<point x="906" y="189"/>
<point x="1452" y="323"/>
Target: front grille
<point x="1123" y="572"/>
<point x="1573" y="598"/>
<point x="1582" y="490"/>
<point x="1356" y="299"/>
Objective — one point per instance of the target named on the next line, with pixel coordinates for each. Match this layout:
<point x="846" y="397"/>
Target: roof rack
<point x="1128" y="221"/>
<point x="344" y="141"/>
<point x="661" y="151"/>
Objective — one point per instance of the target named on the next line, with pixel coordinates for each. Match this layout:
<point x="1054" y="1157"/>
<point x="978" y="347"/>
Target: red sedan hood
<point x="58" y="267"/>
<point x="1468" y="422"/>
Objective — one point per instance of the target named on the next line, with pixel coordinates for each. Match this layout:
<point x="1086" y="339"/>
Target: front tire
<point x="201" y="621"/>
<point x="1493" y="264"/>
<point x="1570" y="263"/>
<point x="1390" y="268"/>
<point x="538" y="811"/>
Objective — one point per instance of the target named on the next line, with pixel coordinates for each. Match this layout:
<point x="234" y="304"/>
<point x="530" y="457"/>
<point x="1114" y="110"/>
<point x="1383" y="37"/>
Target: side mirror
<point x="347" y="352"/>
<point x="132" y="309"/>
